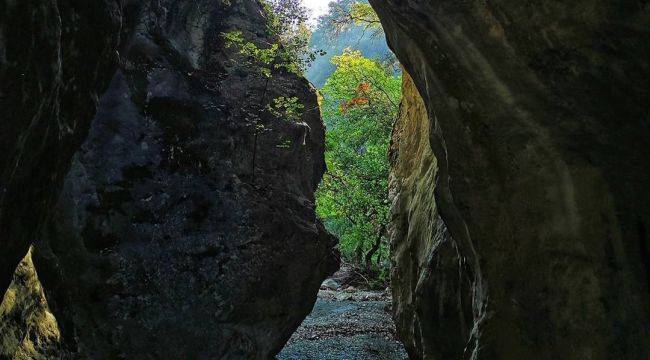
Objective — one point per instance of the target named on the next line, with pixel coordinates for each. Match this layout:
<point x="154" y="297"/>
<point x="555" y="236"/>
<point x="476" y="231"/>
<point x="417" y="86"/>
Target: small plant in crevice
<point x="284" y="144"/>
<point x="288" y="54"/>
<point x="287" y="108"/>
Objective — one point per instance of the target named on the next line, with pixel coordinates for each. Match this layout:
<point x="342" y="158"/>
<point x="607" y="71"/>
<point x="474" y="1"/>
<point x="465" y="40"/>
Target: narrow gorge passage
<point x="360" y="88"/>
<point x="179" y="195"/>
<point x="169" y="198"/>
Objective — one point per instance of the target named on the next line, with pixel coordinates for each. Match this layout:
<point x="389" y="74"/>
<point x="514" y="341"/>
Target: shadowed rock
<point x="538" y="121"/>
<point x="56" y="58"/>
<point x="169" y="240"/>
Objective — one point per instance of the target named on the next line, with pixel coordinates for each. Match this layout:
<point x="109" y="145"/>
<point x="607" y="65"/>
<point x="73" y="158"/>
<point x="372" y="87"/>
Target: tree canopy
<point x="336" y="31"/>
<point x="360" y="103"/>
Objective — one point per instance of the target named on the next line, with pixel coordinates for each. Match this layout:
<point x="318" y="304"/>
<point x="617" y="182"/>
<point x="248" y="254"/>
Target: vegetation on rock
<point x="360" y="103"/>
<point x="285" y="50"/>
<point x="28" y="330"/>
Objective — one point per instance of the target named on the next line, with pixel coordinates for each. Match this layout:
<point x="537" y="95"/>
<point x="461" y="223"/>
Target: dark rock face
<point x="174" y="247"/>
<point x="165" y="242"/>
<point x="538" y="122"/>
<point x="55" y="58"/>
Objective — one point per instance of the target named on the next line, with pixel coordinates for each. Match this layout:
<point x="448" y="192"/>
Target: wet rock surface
<point x="537" y="125"/>
<point x="350" y="325"/>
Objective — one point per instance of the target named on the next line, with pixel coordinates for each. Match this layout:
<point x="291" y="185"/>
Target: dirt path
<point x="346" y="325"/>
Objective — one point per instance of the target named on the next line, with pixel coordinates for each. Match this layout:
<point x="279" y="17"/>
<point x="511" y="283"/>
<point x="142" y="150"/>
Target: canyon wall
<point x="425" y="258"/>
<point x="185" y="227"/>
<point x="56" y="58"/>
<point x="537" y="117"/>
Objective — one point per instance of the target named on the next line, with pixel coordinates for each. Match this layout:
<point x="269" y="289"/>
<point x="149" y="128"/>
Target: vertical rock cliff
<point x="425" y="258"/>
<point x="537" y="120"/>
<point x="56" y="58"/>
<point x="175" y="236"/>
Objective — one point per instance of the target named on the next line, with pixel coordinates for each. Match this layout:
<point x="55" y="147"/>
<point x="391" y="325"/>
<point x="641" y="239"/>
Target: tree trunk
<point x="358" y="253"/>
<point x="375" y="246"/>
<point x="254" y="154"/>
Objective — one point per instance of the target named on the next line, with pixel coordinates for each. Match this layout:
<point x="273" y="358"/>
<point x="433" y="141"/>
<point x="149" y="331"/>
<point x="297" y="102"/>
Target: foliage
<point x="287" y="15"/>
<point x="287" y="51"/>
<point x="288" y="21"/>
<point x="335" y="32"/>
<point x="267" y="58"/>
<point x="356" y="14"/>
<point x="287" y="24"/>
<point x="360" y="103"/>
<point x="288" y="108"/>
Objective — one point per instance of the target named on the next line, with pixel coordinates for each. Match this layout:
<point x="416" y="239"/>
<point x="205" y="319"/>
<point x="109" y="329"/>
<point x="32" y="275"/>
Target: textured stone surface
<point x="28" y="330"/>
<point x="424" y="256"/>
<point x="538" y="118"/>
<point x="55" y="58"/>
<point x="164" y="243"/>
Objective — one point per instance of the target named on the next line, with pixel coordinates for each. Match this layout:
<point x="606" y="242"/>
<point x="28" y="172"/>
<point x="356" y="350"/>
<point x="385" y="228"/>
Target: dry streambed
<point x="350" y="325"/>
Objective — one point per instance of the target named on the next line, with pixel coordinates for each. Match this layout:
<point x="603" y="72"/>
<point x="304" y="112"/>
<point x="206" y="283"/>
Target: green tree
<point x="360" y="103"/>
<point x="345" y="14"/>
<point x="347" y="23"/>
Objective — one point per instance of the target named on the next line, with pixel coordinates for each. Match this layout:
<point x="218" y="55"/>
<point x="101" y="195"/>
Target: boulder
<point x="330" y="284"/>
<point x="56" y="59"/>
<point x="186" y="225"/>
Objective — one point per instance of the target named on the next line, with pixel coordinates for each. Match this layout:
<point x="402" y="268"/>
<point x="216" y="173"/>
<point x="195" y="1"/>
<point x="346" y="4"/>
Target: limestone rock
<point x="56" y="58"/>
<point x="174" y="246"/>
<point x="330" y="284"/>
<point x="537" y="118"/>
<point x="425" y="257"/>
<point x="175" y="236"/>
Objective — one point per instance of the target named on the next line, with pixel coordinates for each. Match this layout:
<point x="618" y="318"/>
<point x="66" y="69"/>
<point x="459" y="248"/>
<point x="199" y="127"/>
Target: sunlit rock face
<point x="538" y="123"/>
<point x="425" y="258"/>
<point x="165" y="244"/>
<point x="28" y="330"/>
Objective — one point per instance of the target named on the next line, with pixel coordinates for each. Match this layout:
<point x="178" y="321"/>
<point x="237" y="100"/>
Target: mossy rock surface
<point x="28" y="330"/>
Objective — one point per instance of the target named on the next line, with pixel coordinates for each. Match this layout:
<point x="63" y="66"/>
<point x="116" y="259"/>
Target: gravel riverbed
<point x="346" y="325"/>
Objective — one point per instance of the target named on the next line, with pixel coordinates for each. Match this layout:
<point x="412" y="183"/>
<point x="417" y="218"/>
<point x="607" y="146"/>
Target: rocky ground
<point x="348" y="324"/>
